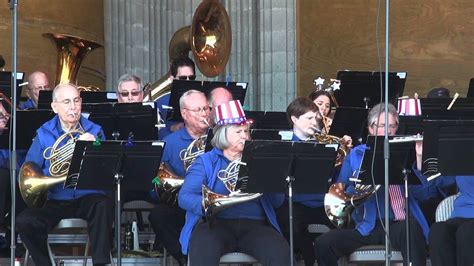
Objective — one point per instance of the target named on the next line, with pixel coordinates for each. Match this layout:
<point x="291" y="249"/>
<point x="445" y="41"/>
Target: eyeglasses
<point x="41" y="88"/>
<point x="67" y="102"/>
<point x="190" y="77"/>
<point x="391" y="126"/>
<point x="204" y="109"/>
<point x="126" y="93"/>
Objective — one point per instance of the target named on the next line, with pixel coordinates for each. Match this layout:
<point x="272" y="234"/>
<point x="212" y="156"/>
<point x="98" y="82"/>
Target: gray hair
<point x="378" y="109"/>
<point x="129" y="77"/>
<point x="60" y="86"/>
<point x="220" y="137"/>
<point x="183" y="97"/>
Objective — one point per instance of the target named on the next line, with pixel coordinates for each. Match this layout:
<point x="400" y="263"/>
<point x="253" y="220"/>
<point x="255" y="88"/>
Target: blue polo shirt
<point x="175" y="143"/>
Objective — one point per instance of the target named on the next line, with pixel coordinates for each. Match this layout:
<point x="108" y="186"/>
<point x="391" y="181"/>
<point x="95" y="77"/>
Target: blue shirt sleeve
<point x="190" y="195"/>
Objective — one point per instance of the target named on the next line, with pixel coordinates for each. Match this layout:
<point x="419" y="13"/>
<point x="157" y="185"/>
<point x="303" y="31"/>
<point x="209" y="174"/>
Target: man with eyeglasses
<point x="37" y="81"/>
<point x="129" y="89"/>
<point x="94" y="206"/>
<point x="368" y="217"/>
<point x="182" y="68"/>
<point x="165" y="219"/>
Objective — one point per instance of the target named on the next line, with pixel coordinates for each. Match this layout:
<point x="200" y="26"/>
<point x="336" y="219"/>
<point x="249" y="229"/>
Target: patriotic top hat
<point x="230" y="113"/>
<point x="409" y="107"/>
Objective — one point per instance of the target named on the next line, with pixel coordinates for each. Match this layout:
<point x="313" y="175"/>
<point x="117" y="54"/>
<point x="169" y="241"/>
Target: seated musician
<point x="37" y="81"/>
<point x="450" y="241"/>
<point x="167" y="219"/>
<point x="322" y="99"/>
<point x="305" y="118"/>
<point x="129" y="89"/>
<point x="368" y="219"/>
<point x="249" y="226"/>
<point x="5" y="186"/>
<point x="182" y="68"/>
<point x="91" y="205"/>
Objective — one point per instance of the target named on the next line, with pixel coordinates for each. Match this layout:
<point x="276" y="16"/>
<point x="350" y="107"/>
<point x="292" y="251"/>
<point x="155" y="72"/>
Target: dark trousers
<point x="302" y="217"/>
<point x="167" y="222"/>
<point x="5" y="202"/>
<point x="451" y="242"/>
<point x="342" y="242"/>
<point x="253" y="237"/>
<point x="98" y="210"/>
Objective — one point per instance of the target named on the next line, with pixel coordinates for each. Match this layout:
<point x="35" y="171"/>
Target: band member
<point x="305" y="118"/>
<point x="129" y="89"/>
<point x="5" y="186"/>
<point x="165" y="219"/>
<point x="248" y="227"/>
<point x="450" y="241"/>
<point x="91" y="205"/>
<point x="368" y="217"/>
<point x="37" y="81"/>
<point x="218" y="96"/>
<point x="322" y="99"/>
<point x="182" y="68"/>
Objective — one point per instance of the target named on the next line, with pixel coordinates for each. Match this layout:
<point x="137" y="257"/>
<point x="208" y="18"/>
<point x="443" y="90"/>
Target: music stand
<point x="121" y="121"/>
<point x="268" y="120"/>
<point x="29" y="121"/>
<point x="365" y="88"/>
<point x="351" y="121"/>
<point x="410" y="125"/>
<point x="372" y="170"/>
<point x="6" y="78"/>
<point x="45" y="97"/>
<point x="448" y="143"/>
<point x="436" y="108"/>
<point x="470" y="89"/>
<point x="179" y="87"/>
<point x="279" y="166"/>
<point x="114" y="162"/>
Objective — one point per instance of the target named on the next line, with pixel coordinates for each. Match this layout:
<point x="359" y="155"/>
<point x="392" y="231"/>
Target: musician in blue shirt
<point x="93" y="206"/>
<point x="248" y="226"/>
<point x="368" y="217"/>
<point x="37" y="81"/>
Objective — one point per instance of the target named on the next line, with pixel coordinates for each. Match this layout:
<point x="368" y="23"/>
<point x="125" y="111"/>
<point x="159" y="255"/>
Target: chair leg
<point x="165" y="257"/>
<point x="27" y="256"/>
<point x="51" y="256"/>
<point x="86" y="252"/>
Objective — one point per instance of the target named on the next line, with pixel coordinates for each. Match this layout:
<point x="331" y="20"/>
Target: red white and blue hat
<point x="409" y="107"/>
<point x="230" y="113"/>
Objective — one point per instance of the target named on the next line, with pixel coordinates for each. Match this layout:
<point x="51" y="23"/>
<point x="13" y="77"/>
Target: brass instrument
<point x="194" y="149"/>
<point x="343" y="150"/>
<point x="215" y="202"/>
<point x="209" y="37"/>
<point x="339" y="205"/>
<point x="4" y="98"/>
<point x="71" y="51"/>
<point x="33" y="184"/>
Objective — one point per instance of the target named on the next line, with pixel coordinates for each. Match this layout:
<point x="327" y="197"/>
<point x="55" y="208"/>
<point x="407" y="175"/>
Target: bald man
<point x="37" y="81"/>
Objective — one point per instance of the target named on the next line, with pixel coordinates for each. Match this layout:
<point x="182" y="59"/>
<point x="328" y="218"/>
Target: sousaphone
<point x="209" y="37"/>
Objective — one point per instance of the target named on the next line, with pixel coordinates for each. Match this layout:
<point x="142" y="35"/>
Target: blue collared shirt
<point x="27" y="105"/>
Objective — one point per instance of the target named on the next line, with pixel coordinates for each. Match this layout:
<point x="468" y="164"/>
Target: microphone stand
<point x="386" y="141"/>
<point x="13" y="156"/>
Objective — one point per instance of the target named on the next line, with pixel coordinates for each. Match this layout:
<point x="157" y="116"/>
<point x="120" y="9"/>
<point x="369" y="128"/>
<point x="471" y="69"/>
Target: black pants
<point x="167" y="222"/>
<point x="451" y="242"/>
<point x="98" y="210"/>
<point x="302" y="217"/>
<point x="5" y="202"/>
<point x="253" y="237"/>
<point x="341" y="242"/>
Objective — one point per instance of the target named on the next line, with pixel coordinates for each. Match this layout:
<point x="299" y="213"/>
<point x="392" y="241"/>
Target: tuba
<point x="33" y="184"/>
<point x="339" y="205"/>
<point x="209" y="38"/>
<point x="215" y="202"/>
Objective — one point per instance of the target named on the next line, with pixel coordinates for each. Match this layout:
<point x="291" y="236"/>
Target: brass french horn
<point x="33" y="184"/>
<point x="209" y="37"/>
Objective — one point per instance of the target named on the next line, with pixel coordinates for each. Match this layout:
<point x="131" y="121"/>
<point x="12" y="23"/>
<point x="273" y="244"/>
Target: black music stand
<point x="45" y="98"/>
<point x="109" y="164"/>
<point x="29" y="121"/>
<point x="351" y="121"/>
<point x="436" y="108"/>
<point x="268" y="120"/>
<point x="410" y="125"/>
<point x="279" y="166"/>
<point x="121" y="121"/>
<point x="365" y="88"/>
<point x="6" y="78"/>
<point x="372" y="170"/>
<point x="179" y="87"/>
<point x="448" y="143"/>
